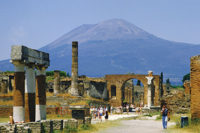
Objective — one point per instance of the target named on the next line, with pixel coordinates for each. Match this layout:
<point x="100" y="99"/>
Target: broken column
<point x="18" y="92"/>
<point x="186" y="85"/>
<point x="149" y="83"/>
<point x="195" y="86"/>
<point x="74" y="81"/>
<point x="22" y="56"/>
<point x="40" y="94"/>
<point x="56" y="82"/>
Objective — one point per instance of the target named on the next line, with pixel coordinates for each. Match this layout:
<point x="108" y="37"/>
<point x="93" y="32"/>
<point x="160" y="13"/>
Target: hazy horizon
<point x="38" y="23"/>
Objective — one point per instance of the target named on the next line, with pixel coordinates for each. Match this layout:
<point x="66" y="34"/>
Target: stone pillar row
<point x="29" y="94"/>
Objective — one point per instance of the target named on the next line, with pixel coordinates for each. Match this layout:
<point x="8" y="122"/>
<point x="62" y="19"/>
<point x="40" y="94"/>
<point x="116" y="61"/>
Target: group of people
<point x="99" y="112"/>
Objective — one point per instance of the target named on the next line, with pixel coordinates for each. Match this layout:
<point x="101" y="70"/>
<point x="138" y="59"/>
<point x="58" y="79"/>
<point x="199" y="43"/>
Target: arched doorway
<point x="132" y="93"/>
<point x="151" y="96"/>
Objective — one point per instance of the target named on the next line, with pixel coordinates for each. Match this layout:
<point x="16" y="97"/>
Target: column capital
<point x="41" y="70"/>
<point x="19" y="67"/>
<point x="149" y="80"/>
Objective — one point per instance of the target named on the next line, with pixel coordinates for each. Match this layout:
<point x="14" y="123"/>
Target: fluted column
<point x="40" y="95"/>
<point x="18" y="93"/>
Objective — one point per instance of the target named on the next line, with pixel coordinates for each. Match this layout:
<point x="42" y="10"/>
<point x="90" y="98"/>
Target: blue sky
<point x="36" y="23"/>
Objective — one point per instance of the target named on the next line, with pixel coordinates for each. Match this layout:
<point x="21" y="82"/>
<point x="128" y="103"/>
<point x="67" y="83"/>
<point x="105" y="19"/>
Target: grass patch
<point x="193" y="127"/>
<point x="99" y="126"/>
<point x="4" y="119"/>
<point x="56" y="116"/>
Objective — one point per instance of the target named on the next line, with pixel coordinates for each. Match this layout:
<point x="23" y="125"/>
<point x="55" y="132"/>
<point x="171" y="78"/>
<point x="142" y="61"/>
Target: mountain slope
<point x="119" y="47"/>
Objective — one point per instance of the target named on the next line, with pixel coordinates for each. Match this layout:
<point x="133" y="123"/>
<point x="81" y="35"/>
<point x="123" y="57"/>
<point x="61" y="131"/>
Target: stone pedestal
<point x="79" y="112"/>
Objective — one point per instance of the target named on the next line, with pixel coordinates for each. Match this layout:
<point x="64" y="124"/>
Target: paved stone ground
<point x="149" y="125"/>
<point x="136" y="126"/>
<point x="115" y="117"/>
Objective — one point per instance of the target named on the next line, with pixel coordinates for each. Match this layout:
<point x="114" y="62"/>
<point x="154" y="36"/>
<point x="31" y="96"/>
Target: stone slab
<point x="29" y="56"/>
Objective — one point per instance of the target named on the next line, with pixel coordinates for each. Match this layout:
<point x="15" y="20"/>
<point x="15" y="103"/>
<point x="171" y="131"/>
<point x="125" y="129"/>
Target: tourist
<point x="104" y="110"/>
<point x="111" y="109"/>
<point x="165" y="118"/>
<point x="106" y="116"/>
<point x="100" y="113"/>
<point x="92" y="111"/>
<point x="127" y="108"/>
<point x="95" y="112"/>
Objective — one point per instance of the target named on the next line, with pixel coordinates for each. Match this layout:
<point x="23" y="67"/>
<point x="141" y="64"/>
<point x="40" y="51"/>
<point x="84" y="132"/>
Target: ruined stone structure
<point x="4" y="84"/>
<point x="187" y="87"/>
<point x="74" y="81"/>
<point x="195" y="86"/>
<point x="29" y="94"/>
<point x="6" y="81"/>
<point x="43" y="126"/>
<point x="127" y="89"/>
<point x="56" y="82"/>
<point x="115" y="83"/>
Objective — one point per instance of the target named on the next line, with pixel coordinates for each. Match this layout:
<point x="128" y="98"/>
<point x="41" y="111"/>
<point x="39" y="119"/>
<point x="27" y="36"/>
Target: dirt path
<point x="136" y="126"/>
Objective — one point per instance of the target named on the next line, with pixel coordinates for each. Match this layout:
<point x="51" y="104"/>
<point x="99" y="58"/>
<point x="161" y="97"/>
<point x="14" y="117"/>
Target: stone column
<point x="195" y="86"/>
<point x="186" y="85"/>
<point x="145" y="94"/>
<point x="40" y="95"/>
<point x="74" y="81"/>
<point x="56" y="82"/>
<point x="18" y="93"/>
<point x="86" y="84"/>
<point x="29" y="94"/>
<point x="149" y="82"/>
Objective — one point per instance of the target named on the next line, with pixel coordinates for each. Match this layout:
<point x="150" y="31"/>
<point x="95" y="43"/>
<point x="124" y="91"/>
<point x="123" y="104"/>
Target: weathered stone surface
<point x="177" y="101"/>
<point x="70" y="123"/>
<point x="119" y="80"/>
<point x="29" y="56"/>
<point x="56" y="82"/>
<point x="74" y="81"/>
<point x="187" y="87"/>
<point x="195" y="86"/>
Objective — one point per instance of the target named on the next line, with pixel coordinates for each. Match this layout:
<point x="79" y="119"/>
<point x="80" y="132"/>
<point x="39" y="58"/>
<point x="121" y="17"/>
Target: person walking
<point x="127" y="108"/>
<point x="165" y="116"/>
<point x="106" y="116"/>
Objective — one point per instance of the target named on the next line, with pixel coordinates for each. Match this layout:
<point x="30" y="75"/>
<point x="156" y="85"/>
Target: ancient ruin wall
<point x="195" y="86"/>
<point x="187" y="87"/>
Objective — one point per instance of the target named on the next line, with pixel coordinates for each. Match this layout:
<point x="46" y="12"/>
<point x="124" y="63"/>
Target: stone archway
<point x="119" y="80"/>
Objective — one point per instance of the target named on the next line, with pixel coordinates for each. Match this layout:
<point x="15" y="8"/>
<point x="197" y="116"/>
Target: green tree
<point x="186" y="77"/>
<point x="63" y="73"/>
<point x="49" y="73"/>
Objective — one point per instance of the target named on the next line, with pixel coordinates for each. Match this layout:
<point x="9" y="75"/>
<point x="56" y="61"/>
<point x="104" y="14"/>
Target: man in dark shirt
<point x="165" y="114"/>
